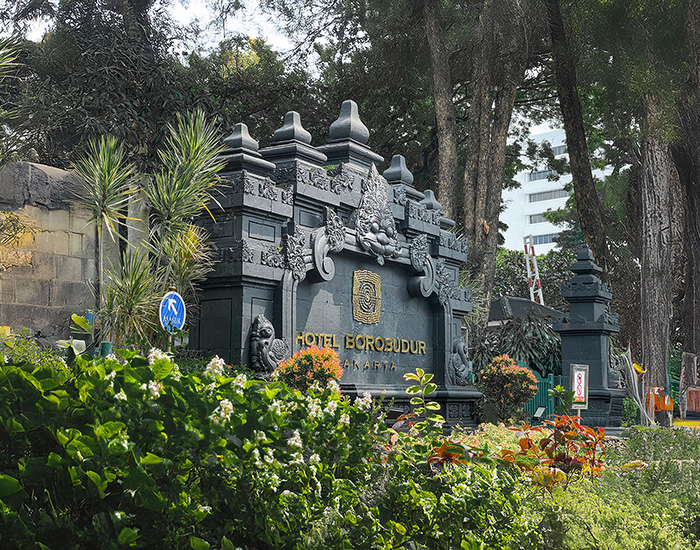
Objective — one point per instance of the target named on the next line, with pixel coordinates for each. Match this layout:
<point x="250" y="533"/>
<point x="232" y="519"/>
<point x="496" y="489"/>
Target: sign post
<point x="579" y="385"/>
<point x="172" y="312"/>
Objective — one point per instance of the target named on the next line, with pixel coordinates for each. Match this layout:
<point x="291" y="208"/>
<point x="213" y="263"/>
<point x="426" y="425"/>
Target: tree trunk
<point x="588" y="204"/>
<point x="686" y="155"/>
<point x="499" y="64"/>
<point x="444" y="111"/>
<point x="656" y="279"/>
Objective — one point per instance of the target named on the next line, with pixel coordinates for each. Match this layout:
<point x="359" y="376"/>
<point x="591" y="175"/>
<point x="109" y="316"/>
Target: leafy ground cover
<point x="129" y="451"/>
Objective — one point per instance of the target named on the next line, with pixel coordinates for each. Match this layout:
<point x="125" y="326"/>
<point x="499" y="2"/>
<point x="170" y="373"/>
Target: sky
<point x="251" y="22"/>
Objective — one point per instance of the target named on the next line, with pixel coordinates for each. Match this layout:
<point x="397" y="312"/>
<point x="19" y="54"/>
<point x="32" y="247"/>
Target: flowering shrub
<point x="127" y="451"/>
<point x="508" y="385"/>
<point x="310" y="365"/>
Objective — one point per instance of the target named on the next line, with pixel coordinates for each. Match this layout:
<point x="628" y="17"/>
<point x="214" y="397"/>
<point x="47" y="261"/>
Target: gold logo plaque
<point x="366" y="297"/>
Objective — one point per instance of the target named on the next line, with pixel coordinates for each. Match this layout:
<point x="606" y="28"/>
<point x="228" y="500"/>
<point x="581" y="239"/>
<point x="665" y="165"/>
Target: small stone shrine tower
<point x="315" y="247"/>
<point x="585" y="339"/>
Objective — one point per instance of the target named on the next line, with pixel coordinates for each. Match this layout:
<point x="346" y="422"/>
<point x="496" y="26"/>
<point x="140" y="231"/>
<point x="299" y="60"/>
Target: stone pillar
<point x="585" y="339"/>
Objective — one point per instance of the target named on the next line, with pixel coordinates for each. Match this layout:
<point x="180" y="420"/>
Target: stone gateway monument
<point x="316" y="247"/>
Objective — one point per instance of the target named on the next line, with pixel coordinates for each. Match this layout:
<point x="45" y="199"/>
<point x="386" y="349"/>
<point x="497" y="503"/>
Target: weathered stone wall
<point x="51" y="273"/>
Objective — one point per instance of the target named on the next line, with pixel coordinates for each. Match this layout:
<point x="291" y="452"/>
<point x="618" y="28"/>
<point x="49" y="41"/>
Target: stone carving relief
<point x="288" y="256"/>
<point x="267" y="189"/>
<point x="376" y="229"/>
<point x="294" y="254"/>
<point x="421" y="261"/>
<point x="400" y="195"/>
<point x="265" y="350"/>
<point x="273" y="257"/>
<point x="342" y="179"/>
<point x="420" y="212"/>
<point x="450" y="240"/>
<point x="337" y="180"/>
<point x="326" y="239"/>
<point x="445" y="284"/>
<point x="459" y="372"/>
<point x="239" y="251"/>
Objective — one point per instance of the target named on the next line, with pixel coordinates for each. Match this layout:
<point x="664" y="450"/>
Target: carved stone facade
<point x="317" y="247"/>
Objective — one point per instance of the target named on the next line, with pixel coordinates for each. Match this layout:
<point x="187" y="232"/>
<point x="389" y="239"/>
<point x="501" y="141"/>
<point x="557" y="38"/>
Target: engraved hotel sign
<point x="366" y="297"/>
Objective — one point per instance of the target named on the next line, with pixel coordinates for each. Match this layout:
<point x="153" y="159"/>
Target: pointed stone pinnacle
<point x="292" y="130"/>
<point x="240" y="138"/>
<point x="348" y="125"/>
<point x="398" y="172"/>
<point x="430" y="201"/>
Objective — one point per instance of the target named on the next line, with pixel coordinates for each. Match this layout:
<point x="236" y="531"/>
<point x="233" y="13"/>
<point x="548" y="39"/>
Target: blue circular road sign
<point x="172" y="312"/>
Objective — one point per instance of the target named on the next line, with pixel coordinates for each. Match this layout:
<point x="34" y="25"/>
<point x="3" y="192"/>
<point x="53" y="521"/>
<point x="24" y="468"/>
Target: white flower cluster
<point x="314" y="459"/>
<point x="153" y="389"/>
<point x="364" y="403"/>
<point x="334" y="386"/>
<point x="121" y="395"/>
<point x="295" y="440"/>
<point x="331" y="407"/>
<point x="239" y="383"/>
<point x="315" y="410"/>
<point x="114" y="357"/>
<point x="276" y="407"/>
<point x="154" y="354"/>
<point x="316" y="387"/>
<point x="344" y="419"/>
<point x="215" y="367"/>
<point x="175" y="372"/>
<point x="223" y="412"/>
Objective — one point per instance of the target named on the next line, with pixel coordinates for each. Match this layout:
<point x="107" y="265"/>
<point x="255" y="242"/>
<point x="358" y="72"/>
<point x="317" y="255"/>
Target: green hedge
<point x="127" y="452"/>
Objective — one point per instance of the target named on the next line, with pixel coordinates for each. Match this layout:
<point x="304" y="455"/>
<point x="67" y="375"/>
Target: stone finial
<point x="398" y="172"/>
<point x="348" y="125"/>
<point x="292" y="130"/>
<point x="240" y="138"/>
<point x="430" y="202"/>
<point x="584" y="262"/>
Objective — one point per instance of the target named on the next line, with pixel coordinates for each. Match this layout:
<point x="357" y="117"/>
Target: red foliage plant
<point x="569" y="449"/>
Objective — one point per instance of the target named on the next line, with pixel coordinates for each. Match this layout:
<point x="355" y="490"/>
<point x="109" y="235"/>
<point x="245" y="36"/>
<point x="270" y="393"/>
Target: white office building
<point x="538" y="193"/>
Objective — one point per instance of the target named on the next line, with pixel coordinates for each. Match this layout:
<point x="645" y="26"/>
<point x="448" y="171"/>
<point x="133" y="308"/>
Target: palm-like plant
<point x="104" y="189"/>
<point x="131" y="300"/>
<point x="7" y="64"/>
<point x="189" y="259"/>
<point x="182" y="189"/>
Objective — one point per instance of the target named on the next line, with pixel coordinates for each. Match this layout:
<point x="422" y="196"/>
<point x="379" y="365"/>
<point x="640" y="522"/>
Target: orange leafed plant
<point x="310" y="365"/>
<point x="568" y="449"/>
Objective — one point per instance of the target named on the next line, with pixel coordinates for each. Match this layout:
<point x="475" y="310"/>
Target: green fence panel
<point x="542" y="398"/>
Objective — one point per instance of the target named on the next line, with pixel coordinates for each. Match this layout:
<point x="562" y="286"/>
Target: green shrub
<point x="589" y="516"/>
<point x="128" y="451"/>
<point x="508" y="385"/>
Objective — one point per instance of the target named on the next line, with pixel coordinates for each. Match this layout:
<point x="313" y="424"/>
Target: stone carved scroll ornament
<point x="265" y="350"/>
<point x="421" y="261"/>
<point x="376" y="228"/>
<point x="326" y="239"/>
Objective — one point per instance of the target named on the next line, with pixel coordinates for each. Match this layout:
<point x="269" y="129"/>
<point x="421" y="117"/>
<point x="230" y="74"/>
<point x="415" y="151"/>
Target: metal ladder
<point x="531" y="257"/>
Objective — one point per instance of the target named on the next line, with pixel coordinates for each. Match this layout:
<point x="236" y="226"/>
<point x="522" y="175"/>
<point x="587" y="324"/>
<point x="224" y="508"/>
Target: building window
<point x="548" y="195"/>
<point x="541" y="175"/>
<point x="559" y="150"/>
<point x="544" y="239"/>
<point x="537" y="218"/>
